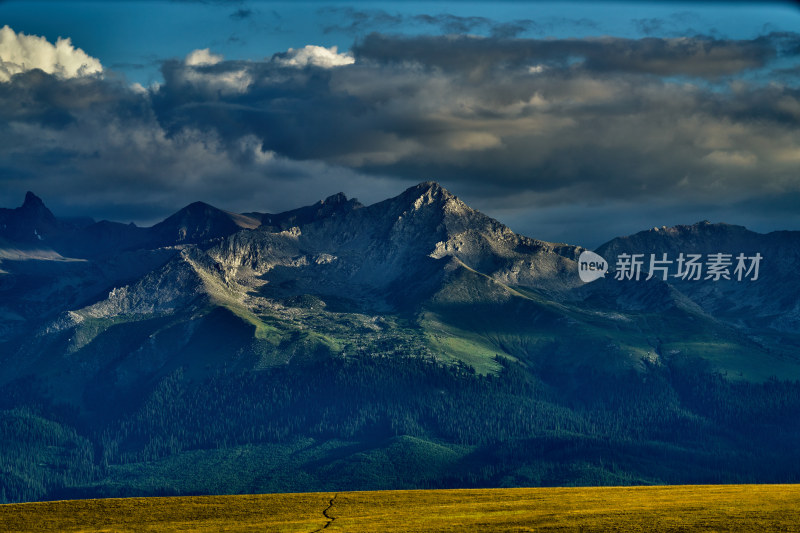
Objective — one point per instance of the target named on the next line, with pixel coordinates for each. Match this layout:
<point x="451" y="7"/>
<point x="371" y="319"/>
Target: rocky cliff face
<point x="384" y="251"/>
<point x="418" y="273"/>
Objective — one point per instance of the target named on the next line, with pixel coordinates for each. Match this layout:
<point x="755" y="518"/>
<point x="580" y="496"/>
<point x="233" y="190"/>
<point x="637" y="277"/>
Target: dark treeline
<point x="657" y="426"/>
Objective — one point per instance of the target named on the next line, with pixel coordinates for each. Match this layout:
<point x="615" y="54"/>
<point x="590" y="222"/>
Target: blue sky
<point x="133" y="37"/>
<point x="549" y="116"/>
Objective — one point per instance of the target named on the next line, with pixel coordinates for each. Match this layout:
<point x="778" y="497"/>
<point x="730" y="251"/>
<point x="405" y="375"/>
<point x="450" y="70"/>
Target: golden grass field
<point x="673" y="508"/>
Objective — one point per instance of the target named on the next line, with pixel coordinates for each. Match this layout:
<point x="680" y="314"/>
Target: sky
<point x="568" y="121"/>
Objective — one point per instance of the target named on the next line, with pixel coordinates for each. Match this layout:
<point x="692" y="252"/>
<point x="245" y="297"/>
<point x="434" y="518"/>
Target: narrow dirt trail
<point x="325" y="513"/>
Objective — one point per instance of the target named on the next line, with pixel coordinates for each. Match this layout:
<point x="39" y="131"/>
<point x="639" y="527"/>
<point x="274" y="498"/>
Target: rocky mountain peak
<point x="194" y="213"/>
<point x="199" y="221"/>
<point x="335" y="199"/>
<point x="198" y="206"/>
<point x="32" y="221"/>
<point x="32" y="201"/>
<point x="430" y="194"/>
<point x="429" y="191"/>
<point x="703" y="234"/>
<point x="336" y="203"/>
<point x="33" y="208"/>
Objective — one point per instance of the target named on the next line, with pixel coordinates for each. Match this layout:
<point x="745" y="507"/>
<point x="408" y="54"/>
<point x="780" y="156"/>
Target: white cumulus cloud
<point x="200" y="72"/>
<point x="317" y="56"/>
<point x="20" y="53"/>
<point x="203" y="57"/>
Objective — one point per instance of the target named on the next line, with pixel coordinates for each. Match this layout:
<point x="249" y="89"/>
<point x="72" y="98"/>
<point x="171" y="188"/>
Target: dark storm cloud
<point x="34" y="97"/>
<point x="556" y="118"/>
<point x="514" y="123"/>
<point x="94" y="146"/>
<point x="509" y="30"/>
<point x="699" y="56"/>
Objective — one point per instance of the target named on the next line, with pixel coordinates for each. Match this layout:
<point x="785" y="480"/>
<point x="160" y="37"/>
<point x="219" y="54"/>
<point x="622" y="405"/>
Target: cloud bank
<point x="558" y="120"/>
<point x="620" y="127"/>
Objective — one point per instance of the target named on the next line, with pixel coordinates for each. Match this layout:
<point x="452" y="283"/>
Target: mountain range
<point x="127" y="353"/>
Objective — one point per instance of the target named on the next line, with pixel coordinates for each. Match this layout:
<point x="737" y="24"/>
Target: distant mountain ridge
<point x="337" y="203"/>
<point x="424" y="254"/>
<point x="771" y="300"/>
<point x="336" y="342"/>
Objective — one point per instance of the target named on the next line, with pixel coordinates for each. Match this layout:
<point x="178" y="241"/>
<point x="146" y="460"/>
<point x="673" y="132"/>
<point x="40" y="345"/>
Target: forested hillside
<point x="413" y="343"/>
<point x="373" y="422"/>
